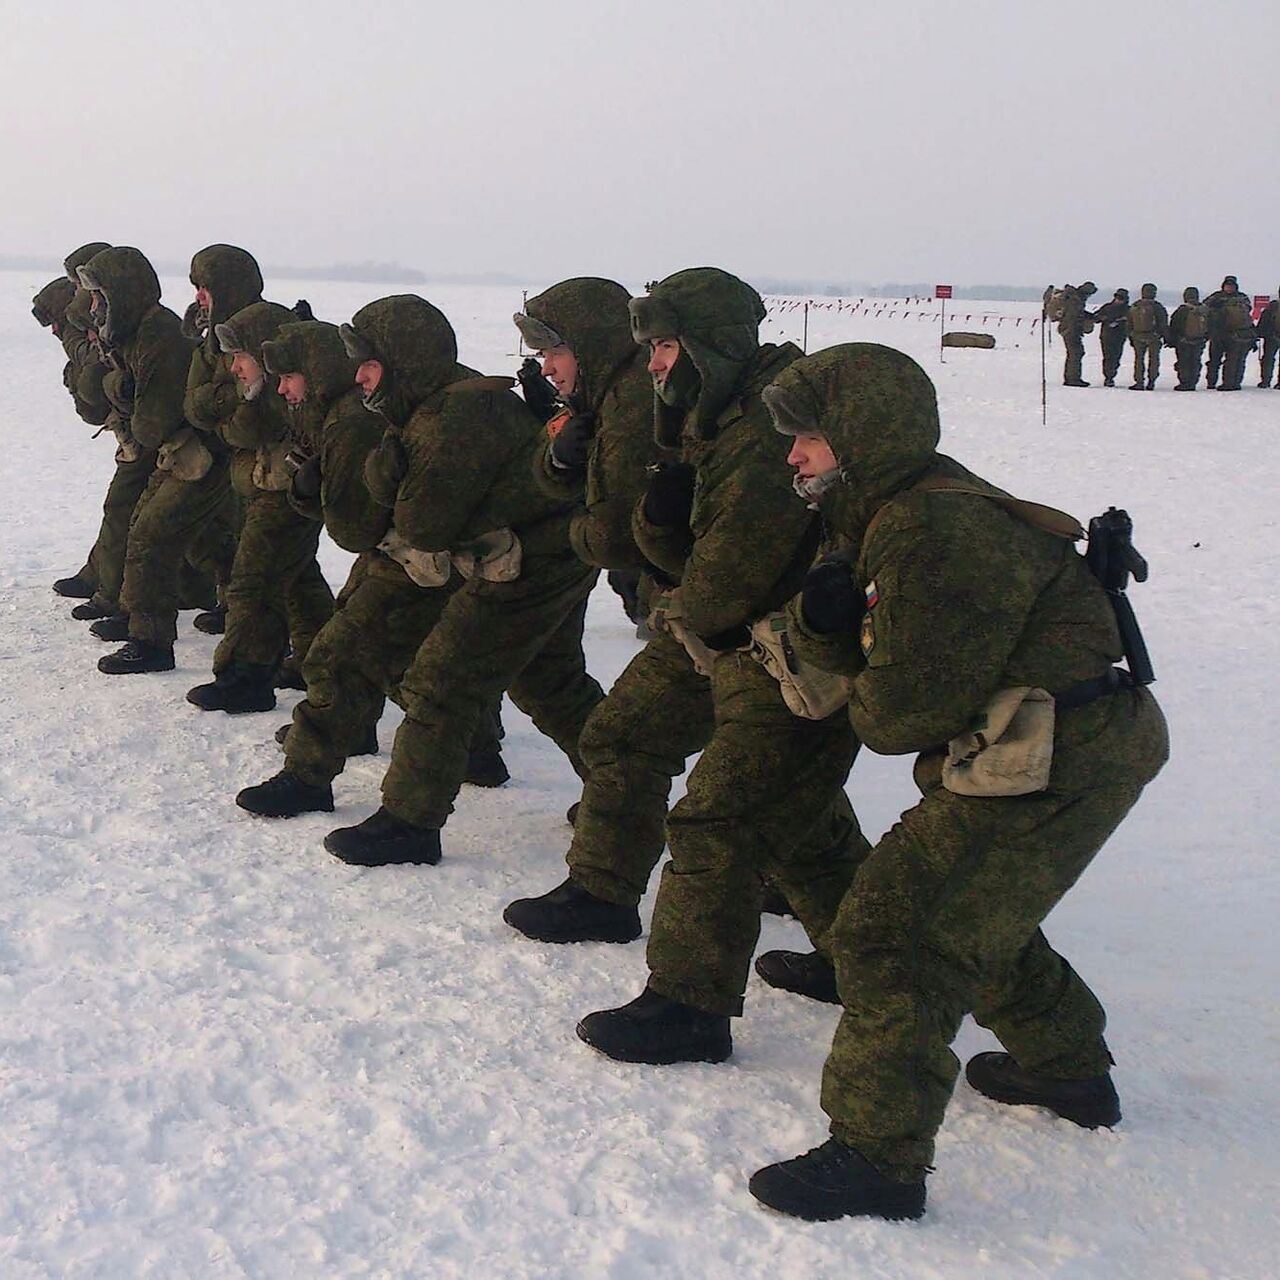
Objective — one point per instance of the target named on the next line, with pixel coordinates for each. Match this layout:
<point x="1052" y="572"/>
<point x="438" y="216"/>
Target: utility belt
<point x="1087" y="691"/>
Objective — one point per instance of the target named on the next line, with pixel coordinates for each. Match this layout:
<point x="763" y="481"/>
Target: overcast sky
<point x="993" y="141"/>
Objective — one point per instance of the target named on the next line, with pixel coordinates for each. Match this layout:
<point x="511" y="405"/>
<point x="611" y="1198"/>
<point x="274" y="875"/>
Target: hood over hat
<point x="79" y="311"/>
<point x="251" y="326"/>
<point x="231" y="275"/>
<point x="716" y="318"/>
<point x="414" y="343"/>
<point x="130" y="286"/>
<point x="1087" y="289"/>
<point x="314" y="349"/>
<point x="590" y="316"/>
<point x="876" y="408"/>
<point x="49" y="306"/>
<point x="76" y="259"/>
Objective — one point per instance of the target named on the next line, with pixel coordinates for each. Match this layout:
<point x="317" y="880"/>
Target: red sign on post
<point x="942" y="291"/>
<point x="1260" y="302"/>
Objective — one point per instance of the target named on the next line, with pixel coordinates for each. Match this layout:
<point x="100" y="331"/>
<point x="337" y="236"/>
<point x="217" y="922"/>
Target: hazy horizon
<point x="826" y="142"/>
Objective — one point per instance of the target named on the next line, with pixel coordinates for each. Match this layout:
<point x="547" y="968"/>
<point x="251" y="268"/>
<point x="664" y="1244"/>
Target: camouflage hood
<point x="1149" y="292"/>
<point x="79" y="311"/>
<point x="1191" y="296"/>
<point x="589" y="316"/>
<point x="232" y="277"/>
<point x="314" y="349"/>
<point x="76" y="259"/>
<point x="716" y="318"/>
<point x="415" y="345"/>
<point x="878" y="411"/>
<point x="130" y="286"/>
<point x="251" y="326"/>
<point x="49" y="306"/>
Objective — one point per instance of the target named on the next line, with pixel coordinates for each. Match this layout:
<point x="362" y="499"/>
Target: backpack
<point x="1195" y="322"/>
<point x="1142" y="318"/>
<point x="1055" y="303"/>
<point x="1237" y="315"/>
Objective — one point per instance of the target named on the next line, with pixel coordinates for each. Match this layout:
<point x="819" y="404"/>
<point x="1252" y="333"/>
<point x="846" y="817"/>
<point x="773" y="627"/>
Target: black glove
<point x="730" y="638"/>
<point x="539" y="394"/>
<point x="306" y="475"/>
<point x="830" y="599"/>
<point x="302" y="309"/>
<point x="571" y="444"/>
<point x="669" y="498"/>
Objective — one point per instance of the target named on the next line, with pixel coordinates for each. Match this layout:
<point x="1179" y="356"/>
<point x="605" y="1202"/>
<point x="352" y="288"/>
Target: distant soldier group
<point x="1223" y="321"/>
<point x="815" y="576"/>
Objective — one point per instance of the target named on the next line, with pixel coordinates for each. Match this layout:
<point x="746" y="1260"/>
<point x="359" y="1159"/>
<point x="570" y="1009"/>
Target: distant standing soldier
<point x="1231" y="335"/>
<point x="1188" y="329"/>
<point x="1148" y="330"/>
<point x="1269" y="332"/>
<point x="1074" y="321"/>
<point x="1110" y="318"/>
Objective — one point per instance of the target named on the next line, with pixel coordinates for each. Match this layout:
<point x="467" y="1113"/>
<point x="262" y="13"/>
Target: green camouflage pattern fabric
<point x="77" y="258"/>
<point x="1074" y="324"/>
<point x="943" y="916"/>
<point x="613" y="384"/>
<point x="1188" y="327"/>
<point x="749" y="544"/>
<point x="174" y="520"/>
<point x="84" y="371"/>
<point x="50" y="304"/>
<point x="234" y="282"/>
<point x="1148" y="329"/>
<point x="1269" y="333"/>
<point x="455" y="463"/>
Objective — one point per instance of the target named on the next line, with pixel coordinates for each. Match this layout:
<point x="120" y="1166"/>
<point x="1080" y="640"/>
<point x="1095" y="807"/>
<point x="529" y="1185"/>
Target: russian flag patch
<point x="873" y="594"/>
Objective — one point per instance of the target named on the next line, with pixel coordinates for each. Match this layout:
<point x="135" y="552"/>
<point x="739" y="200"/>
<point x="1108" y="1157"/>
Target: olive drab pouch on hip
<point x="270" y="471"/>
<point x="492" y="557"/>
<point x="424" y="568"/>
<point x="1009" y="750"/>
<point x="808" y="691"/>
<point x="667" y="614"/>
<point x="184" y="457"/>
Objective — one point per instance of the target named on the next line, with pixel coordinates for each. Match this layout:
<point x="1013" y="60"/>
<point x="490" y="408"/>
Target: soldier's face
<point x="663" y="354"/>
<point x="246" y="369"/>
<point x="293" y="389"/>
<point x="811" y="456"/>
<point x="560" y="368"/>
<point x="204" y="299"/>
<point x="369" y="376"/>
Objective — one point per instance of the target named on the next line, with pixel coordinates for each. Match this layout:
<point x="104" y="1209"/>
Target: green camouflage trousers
<point x="765" y="800"/>
<point x="1146" y="359"/>
<point x="175" y="520"/>
<point x="1188" y="362"/>
<point x="943" y="918"/>
<point x="277" y="597"/>
<point x="1073" y="367"/>
<point x="356" y="662"/>
<point x="523" y="636"/>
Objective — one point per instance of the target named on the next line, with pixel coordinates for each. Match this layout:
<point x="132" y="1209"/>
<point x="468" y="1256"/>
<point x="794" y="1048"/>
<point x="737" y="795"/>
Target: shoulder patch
<point x="872" y="594"/>
<point x="867" y="637"/>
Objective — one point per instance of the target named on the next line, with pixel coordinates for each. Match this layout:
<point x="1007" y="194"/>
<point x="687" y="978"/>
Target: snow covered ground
<point x="224" y="1054"/>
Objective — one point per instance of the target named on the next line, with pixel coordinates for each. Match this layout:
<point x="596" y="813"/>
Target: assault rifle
<point x="1113" y="558"/>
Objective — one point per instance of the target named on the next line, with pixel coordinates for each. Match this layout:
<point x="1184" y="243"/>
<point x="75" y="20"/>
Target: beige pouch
<point x="1010" y="753"/>
<point x="184" y="457"/>
<point x="492" y="557"/>
<point x="808" y="691"/>
<point x="269" y="469"/>
<point x="127" y="448"/>
<point x="668" y="615"/>
<point x="425" y="568"/>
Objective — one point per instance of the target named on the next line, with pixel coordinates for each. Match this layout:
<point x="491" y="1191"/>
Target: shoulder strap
<point x="481" y="383"/>
<point x="1048" y="519"/>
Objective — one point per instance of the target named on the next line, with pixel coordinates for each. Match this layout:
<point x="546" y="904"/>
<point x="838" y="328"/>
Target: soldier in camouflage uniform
<point x="277" y="598"/>
<point x="82" y="376"/>
<point x="382" y="614"/>
<point x="731" y="541"/>
<point x="1147" y="326"/>
<point x="455" y="469"/>
<point x="1076" y="321"/>
<point x="949" y="598"/>
<point x="145" y="341"/>
<point x="1110" y="318"/>
<point x="1269" y="333"/>
<point x="1188" y="329"/>
<point x="1231" y="335"/>
<point x="603" y="442"/>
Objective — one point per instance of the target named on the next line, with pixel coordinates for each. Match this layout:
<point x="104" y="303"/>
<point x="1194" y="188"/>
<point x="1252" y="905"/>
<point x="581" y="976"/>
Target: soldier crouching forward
<point x="961" y="613"/>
